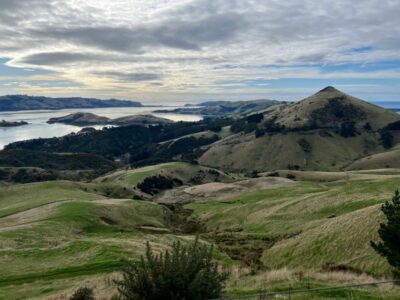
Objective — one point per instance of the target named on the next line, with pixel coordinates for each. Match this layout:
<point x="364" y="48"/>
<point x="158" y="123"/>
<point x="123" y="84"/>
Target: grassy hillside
<point x="60" y="235"/>
<point x="388" y="159"/>
<point x="281" y="151"/>
<point x="308" y="225"/>
<point x="327" y="131"/>
<point x="55" y="230"/>
<point x="184" y="173"/>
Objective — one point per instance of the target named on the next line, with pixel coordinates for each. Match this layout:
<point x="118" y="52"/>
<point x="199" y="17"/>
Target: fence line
<point x="298" y="291"/>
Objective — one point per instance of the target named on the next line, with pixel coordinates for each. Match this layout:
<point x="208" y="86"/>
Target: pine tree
<point x="389" y="232"/>
<point x="184" y="273"/>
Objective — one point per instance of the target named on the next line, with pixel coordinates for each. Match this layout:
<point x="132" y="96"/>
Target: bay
<point x="38" y="128"/>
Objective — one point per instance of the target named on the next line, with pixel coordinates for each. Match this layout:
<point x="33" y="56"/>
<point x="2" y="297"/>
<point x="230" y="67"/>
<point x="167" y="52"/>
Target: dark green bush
<point x="155" y="184"/>
<point x="305" y="145"/>
<point x="184" y="273"/>
<point x="83" y="293"/>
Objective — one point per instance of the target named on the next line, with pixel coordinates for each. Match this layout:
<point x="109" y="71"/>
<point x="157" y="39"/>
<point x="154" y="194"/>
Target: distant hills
<point x="215" y="109"/>
<point x="24" y="102"/>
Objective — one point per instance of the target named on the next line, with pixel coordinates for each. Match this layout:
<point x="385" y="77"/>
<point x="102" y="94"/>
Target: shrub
<point x="185" y="272"/>
<point x="83" y="293"/>
<point x="304" y="145"/>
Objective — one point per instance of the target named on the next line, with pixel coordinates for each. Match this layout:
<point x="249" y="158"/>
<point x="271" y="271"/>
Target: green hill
<point x="327" y="131"/>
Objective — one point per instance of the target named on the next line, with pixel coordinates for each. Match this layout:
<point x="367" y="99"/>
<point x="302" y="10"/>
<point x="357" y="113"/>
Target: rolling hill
<point x="71" y="234"/>
<point x="24" y="102"/>
<point x="217" y="109"/>
<point x="327" y="131"/>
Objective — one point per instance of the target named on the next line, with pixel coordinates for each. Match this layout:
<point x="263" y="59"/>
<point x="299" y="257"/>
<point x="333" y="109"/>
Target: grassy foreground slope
<point x="57" y="236"/>
<point x="55" y="230"/>
<point x="311" y="225"/>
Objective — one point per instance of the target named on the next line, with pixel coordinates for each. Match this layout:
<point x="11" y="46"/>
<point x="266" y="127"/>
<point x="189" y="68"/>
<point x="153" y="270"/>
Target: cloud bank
<point x="198" y="49"/>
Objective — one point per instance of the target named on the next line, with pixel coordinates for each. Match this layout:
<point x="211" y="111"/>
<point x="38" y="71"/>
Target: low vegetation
<point x="184" y="272"/>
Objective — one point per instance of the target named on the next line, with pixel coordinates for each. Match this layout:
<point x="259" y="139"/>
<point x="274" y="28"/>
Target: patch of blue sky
<point x="306" y="82"/>
<point x="324" y="67"/>
<point x="362" y="68"/>
<point x="362" y="49"/>
<point x="6" y="70"/>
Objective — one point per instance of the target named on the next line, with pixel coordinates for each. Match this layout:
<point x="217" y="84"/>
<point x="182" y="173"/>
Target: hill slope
<point x="24" y="102"/>
<point x="326" y="131"/>
<point x="214" y="109"/>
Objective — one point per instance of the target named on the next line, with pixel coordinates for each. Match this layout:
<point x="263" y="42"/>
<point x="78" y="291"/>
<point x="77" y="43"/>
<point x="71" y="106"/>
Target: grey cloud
<point x="56" y="58"/>
<point x="133" y="77"/>
<point x="65" y="58"/>
<point x="185" y="35"/>
<point x="14" y="11"/>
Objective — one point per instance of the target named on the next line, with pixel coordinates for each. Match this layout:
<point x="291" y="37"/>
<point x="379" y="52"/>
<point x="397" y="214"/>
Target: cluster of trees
<point x="186" y="272"/>
<point x="154" y="184"/>
<point x="348" y="129"/>
<point x="247" y="124"/>
<point x="54" y="161"/>
<point x="336" y="110"/>
<point x="142" y="143"/>
<point x="185" y="149"/>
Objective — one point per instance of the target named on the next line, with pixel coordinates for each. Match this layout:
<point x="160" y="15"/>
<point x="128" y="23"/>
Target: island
<point x="4" y="123"/>
<point x="90" y="119"/>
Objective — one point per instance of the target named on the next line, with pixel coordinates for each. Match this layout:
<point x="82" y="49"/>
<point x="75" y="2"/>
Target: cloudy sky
<point x="191" y="50"/>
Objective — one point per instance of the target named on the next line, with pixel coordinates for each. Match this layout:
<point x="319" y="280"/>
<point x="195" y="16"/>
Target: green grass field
<point x="56" y="236"/>
<point x="313" y="223"/>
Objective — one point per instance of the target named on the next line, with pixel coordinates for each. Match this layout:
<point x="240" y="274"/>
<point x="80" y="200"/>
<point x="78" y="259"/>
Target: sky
<point x="171" y="51"/>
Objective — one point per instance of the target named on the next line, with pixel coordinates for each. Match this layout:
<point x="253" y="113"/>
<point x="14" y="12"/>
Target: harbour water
<point x="38" y="128"/>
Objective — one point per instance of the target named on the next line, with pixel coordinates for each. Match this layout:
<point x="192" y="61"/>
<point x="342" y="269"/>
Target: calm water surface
<point x="38" y="128"/>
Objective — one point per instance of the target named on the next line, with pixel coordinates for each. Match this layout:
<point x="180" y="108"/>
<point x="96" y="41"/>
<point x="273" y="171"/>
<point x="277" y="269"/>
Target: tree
<point x="386" y="138"/>
<point x="184" y="273"/>
<point x="348" y="129"/>
<point x="389" y="232"/>
<point x="83" y="293"/>
<point x="255" y="118"/>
